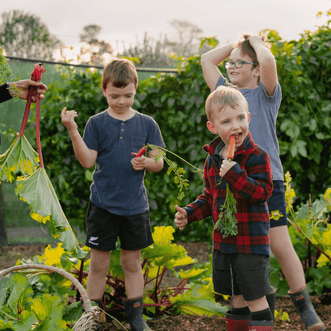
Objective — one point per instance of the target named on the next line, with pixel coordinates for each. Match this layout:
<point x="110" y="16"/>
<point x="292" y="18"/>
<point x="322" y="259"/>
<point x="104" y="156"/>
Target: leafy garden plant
<point x="46" y="301"/>
<point x="310" y="232"/>
<point x="33" y="184"/>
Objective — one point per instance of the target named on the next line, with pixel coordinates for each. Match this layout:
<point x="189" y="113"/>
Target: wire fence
<point x="164" y="70"/>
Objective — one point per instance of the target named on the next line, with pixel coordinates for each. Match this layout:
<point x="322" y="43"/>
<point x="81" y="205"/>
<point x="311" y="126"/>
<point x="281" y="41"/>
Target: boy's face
<point x="230" y="121"/>
<point x="243" y="77"/>
<point x="119" y="100"/>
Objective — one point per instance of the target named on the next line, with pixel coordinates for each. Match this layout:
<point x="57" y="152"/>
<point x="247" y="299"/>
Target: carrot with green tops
<point x="231" y="148"/>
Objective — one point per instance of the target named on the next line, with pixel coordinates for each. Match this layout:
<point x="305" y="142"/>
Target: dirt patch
<point x="201" y="251"/>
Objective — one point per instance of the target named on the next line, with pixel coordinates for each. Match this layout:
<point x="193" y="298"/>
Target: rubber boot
<point x="236" y="322"/>
<point x="260" y="326"/>
<point x="271" y="298"/>
<point x="134" y="311"/>
<point x="306" y="310"/>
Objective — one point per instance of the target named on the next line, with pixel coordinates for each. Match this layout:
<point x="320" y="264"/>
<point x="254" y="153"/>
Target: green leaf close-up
<point x="19" y="158"/>
<point x="38" y="192"/>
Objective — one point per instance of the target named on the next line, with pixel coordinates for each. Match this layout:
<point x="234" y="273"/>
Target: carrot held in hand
<point x="140" y="153"/>
<point x="231" y="148"/>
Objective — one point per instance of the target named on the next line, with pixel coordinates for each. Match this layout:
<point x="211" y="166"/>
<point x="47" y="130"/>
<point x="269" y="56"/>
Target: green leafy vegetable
<point x="227" y="222"/>
<point x="179" y="180"/>
<point x="38" y="192"/>
<point x="19" y="158"/>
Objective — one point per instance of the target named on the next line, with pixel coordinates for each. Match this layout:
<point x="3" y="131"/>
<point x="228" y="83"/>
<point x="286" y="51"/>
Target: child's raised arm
<point x="268" y="69"/>
<point x="85" y="156"/>
<point x="210" y="61"/>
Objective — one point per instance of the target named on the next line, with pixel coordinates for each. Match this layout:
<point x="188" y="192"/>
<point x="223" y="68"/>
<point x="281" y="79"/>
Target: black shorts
<point x="277" y="205"/>
<point x="103" y="228"/>
<point x="251" y="274"/>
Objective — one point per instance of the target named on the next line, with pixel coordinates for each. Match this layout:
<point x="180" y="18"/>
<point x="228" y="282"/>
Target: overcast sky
<point x="127" y="20"/>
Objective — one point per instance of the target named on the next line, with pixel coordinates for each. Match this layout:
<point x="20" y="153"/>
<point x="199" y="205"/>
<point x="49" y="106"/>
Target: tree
<point x="187" y="41"/>
<point x="151" y="52"/>
<point x="26" y="35"/>
<point x="155" y="53"/>
<point x="99" y="51"/>
<point x="90" y="33"/>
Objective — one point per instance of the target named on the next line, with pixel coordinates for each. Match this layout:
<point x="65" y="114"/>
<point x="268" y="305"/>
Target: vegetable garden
<point x="47" y="301"/>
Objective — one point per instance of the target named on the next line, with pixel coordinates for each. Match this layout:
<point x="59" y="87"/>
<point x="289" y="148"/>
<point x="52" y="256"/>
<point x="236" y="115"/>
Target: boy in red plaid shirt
<point x="240" y="262"/>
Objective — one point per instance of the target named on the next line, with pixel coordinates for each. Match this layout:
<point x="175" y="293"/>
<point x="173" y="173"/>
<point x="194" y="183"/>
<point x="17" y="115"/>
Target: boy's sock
<point x="240" y="311"/>
<point x="262" y="315"/>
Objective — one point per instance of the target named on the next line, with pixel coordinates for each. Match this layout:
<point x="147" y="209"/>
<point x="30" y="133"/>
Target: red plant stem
<point x="38" y="131"/>
<point x="162" y="275"/>
<point x="156" y="285"/>
<point x="181" y="288"/>
<point x="27" y="111"/>
<point x="299" y="229"/>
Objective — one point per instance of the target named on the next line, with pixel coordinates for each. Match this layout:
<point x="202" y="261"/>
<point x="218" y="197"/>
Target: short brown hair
<point x="221" y="97"/>
<point x="246" y="47"/>
<point x="120" y="73"/>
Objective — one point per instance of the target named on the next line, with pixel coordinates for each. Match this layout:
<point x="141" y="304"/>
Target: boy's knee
<point x="130" y="263"/>
<point x="99" y="267"/>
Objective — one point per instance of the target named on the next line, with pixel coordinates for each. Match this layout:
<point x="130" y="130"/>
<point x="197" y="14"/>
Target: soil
<point x="10" y="254"/>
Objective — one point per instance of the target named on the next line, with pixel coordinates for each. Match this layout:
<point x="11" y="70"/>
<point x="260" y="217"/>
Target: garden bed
<point x="10" y="254"/>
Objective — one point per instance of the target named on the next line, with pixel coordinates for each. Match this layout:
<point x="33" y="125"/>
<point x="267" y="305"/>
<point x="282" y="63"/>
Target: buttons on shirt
<point x="122" y="130"/>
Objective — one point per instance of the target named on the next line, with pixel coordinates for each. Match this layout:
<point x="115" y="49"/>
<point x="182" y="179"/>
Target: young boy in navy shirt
<point x="118" y="204"/>
<point x="240" y="262"/>
<point x="252" y="69"/>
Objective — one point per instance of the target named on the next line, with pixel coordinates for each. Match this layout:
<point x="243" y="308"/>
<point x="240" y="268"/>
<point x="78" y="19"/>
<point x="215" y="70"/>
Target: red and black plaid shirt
<point x="250" y="180"/>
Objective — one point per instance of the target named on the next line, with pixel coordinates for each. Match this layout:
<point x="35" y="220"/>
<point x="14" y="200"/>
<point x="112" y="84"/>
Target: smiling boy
<point x="240" y="262"/>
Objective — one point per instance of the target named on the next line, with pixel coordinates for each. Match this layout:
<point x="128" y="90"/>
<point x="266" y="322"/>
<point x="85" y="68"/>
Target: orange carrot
<point x="231" y="148"/>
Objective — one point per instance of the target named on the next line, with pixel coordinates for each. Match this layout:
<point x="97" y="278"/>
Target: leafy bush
<point x="310" y="234"/>
<point x="304" y="121"/>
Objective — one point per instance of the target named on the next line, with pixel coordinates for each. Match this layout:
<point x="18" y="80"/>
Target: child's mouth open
<point x="237" y="137"/>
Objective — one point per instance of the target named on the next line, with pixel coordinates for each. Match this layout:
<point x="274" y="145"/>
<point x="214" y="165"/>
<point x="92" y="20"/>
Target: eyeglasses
<point x="237" y="64"/>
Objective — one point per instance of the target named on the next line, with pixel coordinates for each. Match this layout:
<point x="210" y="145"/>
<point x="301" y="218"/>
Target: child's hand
<point x="139" y="163"/>
<point x="181" y="217"/>
<point x="226" y="166"/>
<point x="67" y="118"/>
<point x="255" y="40"/>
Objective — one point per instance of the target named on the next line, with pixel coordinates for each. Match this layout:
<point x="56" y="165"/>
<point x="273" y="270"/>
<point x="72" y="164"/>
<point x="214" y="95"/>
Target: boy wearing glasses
<point x="252" y="69"/>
